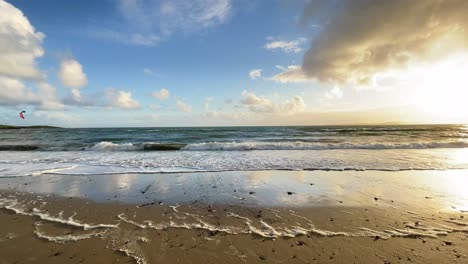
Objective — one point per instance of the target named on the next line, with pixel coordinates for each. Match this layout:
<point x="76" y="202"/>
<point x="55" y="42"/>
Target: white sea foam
<point x="19" y="164"/>
<point x="15" y="206"/>
<point x="62" y="239"/>
<point x="299" y="145"/>
<point x="109" y="146"/>
<point x="258" y="226"/>
<point x="139" y="259"/>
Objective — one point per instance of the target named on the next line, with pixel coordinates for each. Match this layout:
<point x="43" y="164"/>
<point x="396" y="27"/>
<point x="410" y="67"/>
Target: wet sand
<point x="236" y="217"/>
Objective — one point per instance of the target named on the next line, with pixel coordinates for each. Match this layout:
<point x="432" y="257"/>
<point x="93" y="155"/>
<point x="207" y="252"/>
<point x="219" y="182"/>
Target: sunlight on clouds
<point x="260" y="104"/>
<point x="361" y="38"/>
<point x="334" y="93"/>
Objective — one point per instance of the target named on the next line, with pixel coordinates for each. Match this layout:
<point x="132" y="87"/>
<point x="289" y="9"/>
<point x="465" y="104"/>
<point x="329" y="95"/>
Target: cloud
<point x="162" y="94"/>
<point x="183" y="106"/>
<point x="187" y="15"/>
<point x="293" y="73"/>
<point x="256" y="103"/>
<point x="226" y="117"/>
<point x="71" y="75"/>
<point x="360" y="38"/>
<point x="255" y="74"/>
<point x="20" y="44"/>
<point x="285" y="46"/>
<point x="14" y="92"/>
<point x="121" y="99"/>
<point x="151" y="21"/>
<point x="263" y="105"/>
<point x="138" y="39"/>
<point x="334" y="93"/>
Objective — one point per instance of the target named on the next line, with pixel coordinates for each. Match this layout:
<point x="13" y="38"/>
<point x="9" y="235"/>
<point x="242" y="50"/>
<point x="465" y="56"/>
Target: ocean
<point x="89" y="151"/>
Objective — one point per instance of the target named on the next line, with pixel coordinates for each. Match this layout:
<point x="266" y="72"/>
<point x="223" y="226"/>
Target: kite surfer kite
<point x="21" y="114"/>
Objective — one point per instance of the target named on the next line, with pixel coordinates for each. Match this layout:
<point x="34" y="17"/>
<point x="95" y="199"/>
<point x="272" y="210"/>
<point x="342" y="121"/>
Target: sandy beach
<point x="236" y="217"/>
<point x="226" y="132"/>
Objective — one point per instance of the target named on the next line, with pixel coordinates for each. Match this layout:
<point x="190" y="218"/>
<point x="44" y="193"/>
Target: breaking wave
<point x="235" y="146"/>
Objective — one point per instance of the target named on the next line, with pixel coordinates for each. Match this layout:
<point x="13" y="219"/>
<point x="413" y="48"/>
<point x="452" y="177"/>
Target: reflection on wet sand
<point x="289" y="216"/>
<point x="260" y="188"/>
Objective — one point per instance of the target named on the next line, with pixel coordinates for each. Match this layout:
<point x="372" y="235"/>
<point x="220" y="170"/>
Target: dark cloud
<point x="359" y="38"/>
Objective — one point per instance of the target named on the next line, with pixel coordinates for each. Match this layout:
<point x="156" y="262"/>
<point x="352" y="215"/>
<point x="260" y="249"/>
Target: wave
<point x="319" y="146"/>
<point x="109" y="146"/>
<point x="162" y="147"/>
<point x="18" y="147"/>
<point x="236" y="146"/>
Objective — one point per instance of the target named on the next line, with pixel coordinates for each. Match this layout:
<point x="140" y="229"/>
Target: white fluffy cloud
<point x="182" y="106"/>
<point x="360" y="38"/>
<point x="162" y="94"/>
<point x="20" y="46"/>
<point x="121" y="99"/>
<point x="71" y="75"/>
<point x="255" y="74"/>
<point x="14" y="92"/>
<point x="285" y="46"/>
<point x="256" y="103"/>
<point x="260" y="104"/>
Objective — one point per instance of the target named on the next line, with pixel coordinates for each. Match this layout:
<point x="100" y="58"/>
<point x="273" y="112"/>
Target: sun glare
<point x="440" y="90"/>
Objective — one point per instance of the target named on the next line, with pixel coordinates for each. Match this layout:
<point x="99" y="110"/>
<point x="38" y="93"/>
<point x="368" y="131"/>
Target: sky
<point x="116" y="63"/>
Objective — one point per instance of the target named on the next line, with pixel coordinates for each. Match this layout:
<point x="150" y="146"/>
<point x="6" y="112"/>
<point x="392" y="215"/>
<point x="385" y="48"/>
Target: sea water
<point x="26" y="152"/>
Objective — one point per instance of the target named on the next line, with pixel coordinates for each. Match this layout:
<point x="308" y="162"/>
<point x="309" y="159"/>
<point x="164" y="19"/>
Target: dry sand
<point x="249" y="217"/>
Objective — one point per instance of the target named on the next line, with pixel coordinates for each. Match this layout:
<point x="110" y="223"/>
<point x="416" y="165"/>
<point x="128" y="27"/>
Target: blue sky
<point x="183" y="63"/>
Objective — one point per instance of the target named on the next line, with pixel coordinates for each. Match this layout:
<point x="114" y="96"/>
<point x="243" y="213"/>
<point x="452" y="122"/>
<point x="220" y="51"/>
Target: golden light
<point x="455" y="184"/>
<point x="440" y="90"/>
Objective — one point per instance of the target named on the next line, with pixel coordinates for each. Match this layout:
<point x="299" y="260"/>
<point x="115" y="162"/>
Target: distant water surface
<point x="155" y="150"/>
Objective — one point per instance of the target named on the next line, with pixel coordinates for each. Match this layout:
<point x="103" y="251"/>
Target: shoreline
<point x="328" y="217"/>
